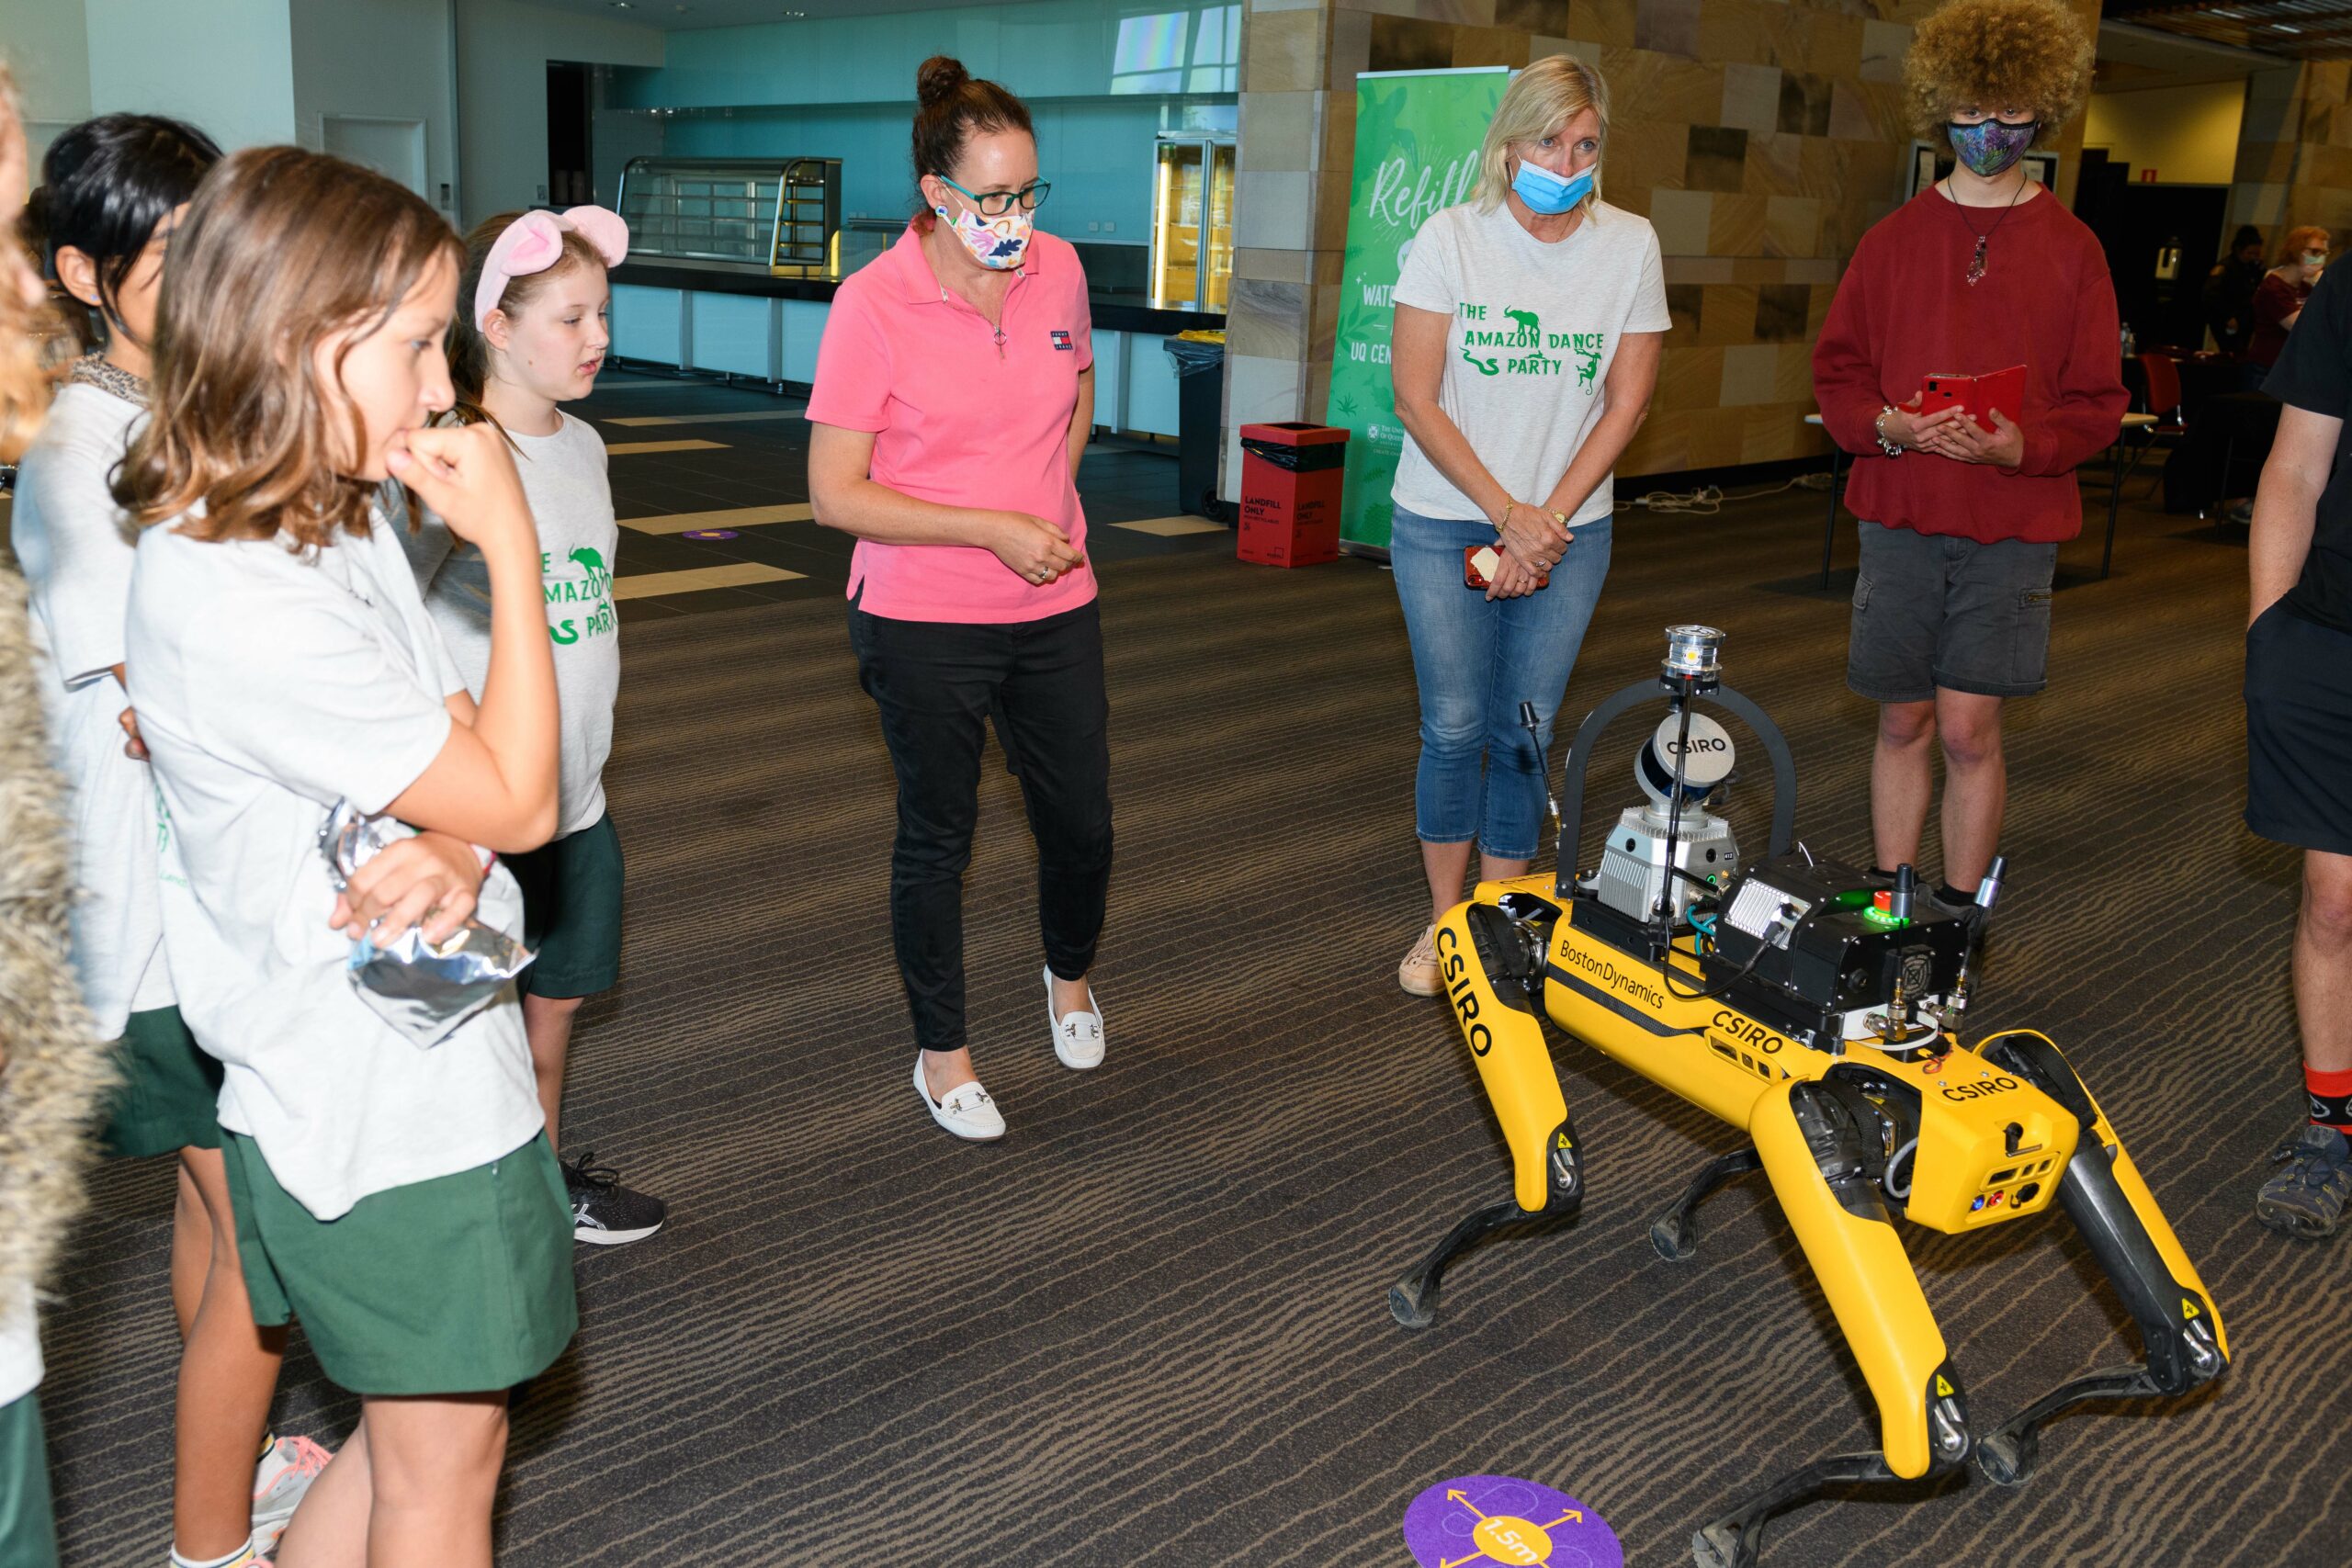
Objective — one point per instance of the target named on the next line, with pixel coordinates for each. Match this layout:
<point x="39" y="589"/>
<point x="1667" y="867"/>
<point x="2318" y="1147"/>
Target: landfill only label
<point x="1473" y="1521"/>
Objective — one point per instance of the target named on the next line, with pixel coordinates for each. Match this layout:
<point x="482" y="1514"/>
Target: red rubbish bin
<point x="1291" y="476"/>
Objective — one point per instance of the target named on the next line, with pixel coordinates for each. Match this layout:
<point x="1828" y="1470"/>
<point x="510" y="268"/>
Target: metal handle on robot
<point x="1535" y="728"/>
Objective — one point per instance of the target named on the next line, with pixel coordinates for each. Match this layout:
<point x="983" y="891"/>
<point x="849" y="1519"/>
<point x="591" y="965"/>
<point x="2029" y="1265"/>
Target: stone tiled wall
<point x="2295" y="152"/>
<point x="1761" y="137"/>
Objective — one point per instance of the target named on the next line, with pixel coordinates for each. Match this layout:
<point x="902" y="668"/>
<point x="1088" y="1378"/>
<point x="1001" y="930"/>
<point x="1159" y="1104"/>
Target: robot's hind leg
<point x="1675" y="1233"/>
<point x="1488" y="969"/>
<point x="2181" y="1336"/>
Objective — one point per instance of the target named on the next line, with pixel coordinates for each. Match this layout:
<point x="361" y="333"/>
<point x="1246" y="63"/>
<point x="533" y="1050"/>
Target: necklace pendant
<point x="1976" y="264"/>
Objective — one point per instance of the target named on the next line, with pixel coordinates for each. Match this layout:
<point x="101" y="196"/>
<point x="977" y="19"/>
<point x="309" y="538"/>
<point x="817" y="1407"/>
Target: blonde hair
<point x="1998" y="54"/>
<point x="1541" y="100"/>
<point x="2291" y="249"/>
<point x="24" y="391"/>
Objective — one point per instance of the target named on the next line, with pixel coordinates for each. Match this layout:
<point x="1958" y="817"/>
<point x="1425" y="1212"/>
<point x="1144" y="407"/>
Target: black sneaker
<point x="603" y="1212"/>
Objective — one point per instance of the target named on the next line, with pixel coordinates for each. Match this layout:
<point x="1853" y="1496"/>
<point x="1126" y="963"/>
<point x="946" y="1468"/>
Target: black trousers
<point x="937" y="684"/>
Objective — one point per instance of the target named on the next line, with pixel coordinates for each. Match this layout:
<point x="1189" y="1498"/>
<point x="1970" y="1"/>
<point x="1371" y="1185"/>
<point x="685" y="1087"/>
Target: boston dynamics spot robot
<point x="1818" y="1009"/>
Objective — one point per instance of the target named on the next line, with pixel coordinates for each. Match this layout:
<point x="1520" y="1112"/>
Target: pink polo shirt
<point x="963" y="418"/>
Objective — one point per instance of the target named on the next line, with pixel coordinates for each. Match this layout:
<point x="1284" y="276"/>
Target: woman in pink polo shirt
<point x="955" y="391"/>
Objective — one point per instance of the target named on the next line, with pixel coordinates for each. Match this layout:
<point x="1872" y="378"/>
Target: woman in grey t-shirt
<point x="1529" y="324"/>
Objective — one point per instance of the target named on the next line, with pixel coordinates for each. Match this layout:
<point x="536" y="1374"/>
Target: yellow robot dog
<point x="1817" y="1008"/>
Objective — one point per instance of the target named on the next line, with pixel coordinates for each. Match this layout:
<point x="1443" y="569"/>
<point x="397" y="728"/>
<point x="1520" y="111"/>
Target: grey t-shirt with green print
<point x="1533" y="330"/>
<point x="572" y="500"/>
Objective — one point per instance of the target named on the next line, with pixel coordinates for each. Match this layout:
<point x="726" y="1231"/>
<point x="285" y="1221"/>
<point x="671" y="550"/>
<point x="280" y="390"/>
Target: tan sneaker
<point x="1418" y="974"/>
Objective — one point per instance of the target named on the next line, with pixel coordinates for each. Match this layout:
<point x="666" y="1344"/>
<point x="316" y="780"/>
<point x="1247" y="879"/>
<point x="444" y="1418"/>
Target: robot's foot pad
<point x="1413" y="1303"/>
<point x="2006" y="1459"/>
<point x="1675" y="1238"/>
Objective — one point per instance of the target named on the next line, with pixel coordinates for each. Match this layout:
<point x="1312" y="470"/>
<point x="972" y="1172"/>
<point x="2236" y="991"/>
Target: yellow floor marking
<point x="631" y="448"/>
<point x="637" y="419"/>
<point x="726" y="517"/>
<point x="1173" y="527"/>
<point x="734" y="574"/>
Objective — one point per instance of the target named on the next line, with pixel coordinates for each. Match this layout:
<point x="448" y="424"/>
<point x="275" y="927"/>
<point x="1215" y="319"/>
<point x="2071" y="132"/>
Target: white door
<point x="390" y="146"/>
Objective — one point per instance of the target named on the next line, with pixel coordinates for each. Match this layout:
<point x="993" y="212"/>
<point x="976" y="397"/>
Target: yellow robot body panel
<point x="1618" y="1004"/>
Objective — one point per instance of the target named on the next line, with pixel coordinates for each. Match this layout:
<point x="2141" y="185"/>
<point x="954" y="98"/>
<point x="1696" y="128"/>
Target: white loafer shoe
<point x="1078" y="1036"/>
<point x="967" y="1111"/>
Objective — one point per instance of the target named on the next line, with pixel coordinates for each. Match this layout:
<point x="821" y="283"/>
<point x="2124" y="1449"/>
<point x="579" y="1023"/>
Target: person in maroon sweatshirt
<point x="1961" y="524"/>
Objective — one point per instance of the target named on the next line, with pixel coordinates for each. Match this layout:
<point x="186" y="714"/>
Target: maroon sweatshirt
<point x="1905" y="310"/>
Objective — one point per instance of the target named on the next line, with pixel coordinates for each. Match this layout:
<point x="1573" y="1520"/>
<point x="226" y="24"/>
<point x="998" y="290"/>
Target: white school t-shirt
<point x="270" y="685"/>
<point x="565" y="480"/>
<point x="70" y="538"/>
<point x="19" y="1344"/>
<point x="1533" y="330"/>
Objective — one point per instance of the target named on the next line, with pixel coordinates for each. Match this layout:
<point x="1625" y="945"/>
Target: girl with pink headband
<point x="531" y="334"/>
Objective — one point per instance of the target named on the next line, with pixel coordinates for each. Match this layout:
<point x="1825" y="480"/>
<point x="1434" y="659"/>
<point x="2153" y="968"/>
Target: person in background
<point x="2229" y="291"/>
<point x="400" y="1198"/>
<point x="2279" y="298"/>
<point x="954" y="393"/>
<point x="1530" y="322"/>
<point x="113" y="189"/>
<point x="2299" y="737"/>
<point x="1960" y="521"/>
<point x="53" y="1070"/>
<point x="531" y="331"/>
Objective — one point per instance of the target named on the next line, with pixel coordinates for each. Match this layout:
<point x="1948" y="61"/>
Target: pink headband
<point x="533" y="242"/>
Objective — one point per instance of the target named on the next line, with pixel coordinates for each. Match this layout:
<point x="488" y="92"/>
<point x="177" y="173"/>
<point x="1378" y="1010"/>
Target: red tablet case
<point x="1980" y="395"/>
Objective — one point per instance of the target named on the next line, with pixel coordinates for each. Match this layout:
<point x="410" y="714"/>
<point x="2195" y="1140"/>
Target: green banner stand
<point x="1418" y="134"/>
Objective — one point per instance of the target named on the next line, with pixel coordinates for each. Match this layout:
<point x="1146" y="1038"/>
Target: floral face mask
<point x="997" y="244"/>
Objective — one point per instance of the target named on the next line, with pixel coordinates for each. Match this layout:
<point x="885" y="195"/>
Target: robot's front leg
<point x="1811" y="1150"/>
<point x="2181" y="1336"/>
<point x="1489" y="965"/>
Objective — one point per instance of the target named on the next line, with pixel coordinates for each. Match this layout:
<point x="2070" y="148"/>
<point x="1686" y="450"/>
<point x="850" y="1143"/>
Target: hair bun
<point x="937" y="78"/>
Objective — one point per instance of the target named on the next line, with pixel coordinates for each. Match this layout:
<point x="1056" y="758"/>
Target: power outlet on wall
<point x="1109" y="228"/>
<point x="543" y="195"/>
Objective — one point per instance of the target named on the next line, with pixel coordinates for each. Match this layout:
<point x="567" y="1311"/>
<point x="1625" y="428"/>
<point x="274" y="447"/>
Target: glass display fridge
<point x="780" y="216"/>
<point x="1191" y="221"/>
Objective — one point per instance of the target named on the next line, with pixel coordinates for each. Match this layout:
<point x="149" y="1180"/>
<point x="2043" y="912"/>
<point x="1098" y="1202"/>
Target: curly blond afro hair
<point x="1998" y="54"/>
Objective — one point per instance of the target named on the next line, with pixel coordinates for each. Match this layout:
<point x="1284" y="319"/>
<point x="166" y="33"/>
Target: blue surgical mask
<point x="1548" y="193"/>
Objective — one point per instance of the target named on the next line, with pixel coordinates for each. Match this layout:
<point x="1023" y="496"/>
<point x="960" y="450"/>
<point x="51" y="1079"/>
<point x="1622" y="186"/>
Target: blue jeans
<point x="1475" y="660"/>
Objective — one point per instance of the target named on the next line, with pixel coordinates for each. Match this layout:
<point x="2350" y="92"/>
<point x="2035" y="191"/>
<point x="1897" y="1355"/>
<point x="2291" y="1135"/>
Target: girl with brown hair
<point x="402" y="1201"/>
<point x="114" y="188"/>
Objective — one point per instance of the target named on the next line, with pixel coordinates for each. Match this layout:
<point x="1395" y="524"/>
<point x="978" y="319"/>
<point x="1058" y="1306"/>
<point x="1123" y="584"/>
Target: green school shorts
<point x="571" y="911"/>
<point x="170" y="1092"/>
<point x="27" y="1529"/>
<point x="461" y="1284"/>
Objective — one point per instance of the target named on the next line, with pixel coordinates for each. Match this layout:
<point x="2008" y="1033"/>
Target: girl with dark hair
<point x="401" y="1201"/>
<point x="953" y="394"/>
<point x="115" y="187"/>
<point x="532" y="327"/>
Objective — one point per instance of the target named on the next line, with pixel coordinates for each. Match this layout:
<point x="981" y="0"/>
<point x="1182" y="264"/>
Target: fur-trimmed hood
<point x="51" y="1070"/>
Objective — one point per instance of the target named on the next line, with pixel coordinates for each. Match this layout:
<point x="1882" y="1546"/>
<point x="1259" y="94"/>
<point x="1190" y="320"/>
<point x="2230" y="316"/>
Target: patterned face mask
<point x="997" y="244"/>
<point x="1989" y="146"/>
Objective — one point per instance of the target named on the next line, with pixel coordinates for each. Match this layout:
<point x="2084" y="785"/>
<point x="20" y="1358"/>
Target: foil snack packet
<point x="422" y="990"/>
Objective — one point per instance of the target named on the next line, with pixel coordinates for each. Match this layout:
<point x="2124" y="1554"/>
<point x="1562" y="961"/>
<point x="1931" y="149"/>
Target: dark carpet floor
<point x="1149" y="1326"/>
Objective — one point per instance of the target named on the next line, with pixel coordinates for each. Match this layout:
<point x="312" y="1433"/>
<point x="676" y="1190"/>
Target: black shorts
<point x="2299" y="731"/>
<point x="1936" y="610"/>
<point x="571" y="911"/>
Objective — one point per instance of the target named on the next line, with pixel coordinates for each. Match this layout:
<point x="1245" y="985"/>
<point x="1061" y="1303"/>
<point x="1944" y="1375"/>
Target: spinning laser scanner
<point x="1818" y="1009"/>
